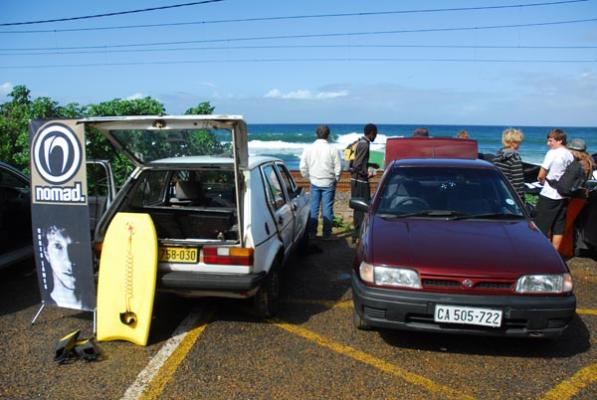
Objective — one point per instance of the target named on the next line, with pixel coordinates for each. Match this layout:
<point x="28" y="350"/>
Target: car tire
<point x="266" y="300"/>
<point x="358" y="322"/>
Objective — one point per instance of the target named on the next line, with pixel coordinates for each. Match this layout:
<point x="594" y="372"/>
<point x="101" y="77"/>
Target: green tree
<point x="14" y="122"/>
<point x="20" y="109"/>
<point x="98" y="146"/>
<point x="200" y="109"/>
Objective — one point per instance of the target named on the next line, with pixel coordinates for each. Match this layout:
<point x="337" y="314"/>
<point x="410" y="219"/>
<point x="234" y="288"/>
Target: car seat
<point x="189" y="193"/>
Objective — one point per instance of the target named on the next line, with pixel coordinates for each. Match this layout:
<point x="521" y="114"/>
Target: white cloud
<point x="136" y="96"/>
<point x="5" y="89"/>
<point x="304" y="94"/>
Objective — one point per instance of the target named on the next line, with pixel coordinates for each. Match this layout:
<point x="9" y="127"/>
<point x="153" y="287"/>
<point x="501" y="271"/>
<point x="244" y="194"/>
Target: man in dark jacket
<point x="359" y="180"/>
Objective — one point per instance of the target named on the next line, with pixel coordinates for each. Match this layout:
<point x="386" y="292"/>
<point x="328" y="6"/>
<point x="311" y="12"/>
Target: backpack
<point x="350" y="151"/>
<point x="571" y="181"/>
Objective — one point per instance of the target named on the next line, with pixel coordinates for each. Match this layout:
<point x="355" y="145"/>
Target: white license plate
<point x="468" y="315"/>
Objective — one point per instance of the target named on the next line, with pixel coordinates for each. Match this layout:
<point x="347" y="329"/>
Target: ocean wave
<point x="271" y="147"/>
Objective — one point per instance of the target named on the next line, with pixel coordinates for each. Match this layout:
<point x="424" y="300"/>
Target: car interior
<point x="187" y="203"/>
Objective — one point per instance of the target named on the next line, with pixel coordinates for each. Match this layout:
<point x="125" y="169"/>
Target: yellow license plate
<point x="178" y="254"/>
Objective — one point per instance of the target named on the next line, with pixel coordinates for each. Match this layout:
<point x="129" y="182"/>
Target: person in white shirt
<point x="550" y="215"/>
<point x="320" y="163"/>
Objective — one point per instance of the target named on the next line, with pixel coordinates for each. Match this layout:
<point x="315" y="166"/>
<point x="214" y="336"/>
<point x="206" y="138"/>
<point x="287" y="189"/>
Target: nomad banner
<point x="60" y="214"/>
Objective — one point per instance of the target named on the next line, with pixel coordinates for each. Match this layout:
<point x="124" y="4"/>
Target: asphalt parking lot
<point x="214" y="348"/>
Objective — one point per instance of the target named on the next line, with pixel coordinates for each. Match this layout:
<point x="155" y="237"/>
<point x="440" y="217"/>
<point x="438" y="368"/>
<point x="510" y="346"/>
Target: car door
<point x="280" y="207"/>
<point x="15" y="216"/>
<point x="299" y="201"/>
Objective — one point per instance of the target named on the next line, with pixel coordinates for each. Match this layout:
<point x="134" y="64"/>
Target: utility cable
<point x="109" y="14"/>
<point x="322" y="46"/>
<point x="294" y="17"/>
<point x="309" y="60"/>
<point x="307" y="36"/>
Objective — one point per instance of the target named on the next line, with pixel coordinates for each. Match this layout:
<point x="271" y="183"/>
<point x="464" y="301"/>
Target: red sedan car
<point x="448" y="246"/>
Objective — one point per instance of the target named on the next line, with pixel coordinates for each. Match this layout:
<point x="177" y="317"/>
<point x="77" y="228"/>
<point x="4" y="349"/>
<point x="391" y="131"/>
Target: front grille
<point x="494" y="285"/>
<point x="440" y="283"/>
<point x="434" y="283"/>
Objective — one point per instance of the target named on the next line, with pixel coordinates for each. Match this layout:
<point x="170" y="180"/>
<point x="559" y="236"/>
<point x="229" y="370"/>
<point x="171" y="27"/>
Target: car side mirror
<point x="359" y="204"/>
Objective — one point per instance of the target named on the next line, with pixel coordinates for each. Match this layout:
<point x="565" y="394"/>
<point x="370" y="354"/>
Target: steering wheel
<point x="411" y="201"/>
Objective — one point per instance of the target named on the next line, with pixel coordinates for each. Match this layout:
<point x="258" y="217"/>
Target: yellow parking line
<point x="570" y="387"/>
<point x="325" y="303"/>
<point x="371" y="360"/>
<point x="167" y="370"/>
<point x="586" y="311"/>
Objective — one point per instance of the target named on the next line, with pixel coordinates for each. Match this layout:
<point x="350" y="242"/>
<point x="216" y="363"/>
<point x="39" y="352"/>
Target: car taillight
<point x="228" y="255"/>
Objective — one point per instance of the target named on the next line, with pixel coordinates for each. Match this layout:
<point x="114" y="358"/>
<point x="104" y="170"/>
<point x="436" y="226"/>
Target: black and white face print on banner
<point x="60" y="214"/>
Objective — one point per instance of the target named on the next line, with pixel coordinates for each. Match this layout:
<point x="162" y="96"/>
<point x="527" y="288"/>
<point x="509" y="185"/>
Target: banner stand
<point x="94" y="321"/>
<point x="60" y="215"/>
<point x="43" y="304"/>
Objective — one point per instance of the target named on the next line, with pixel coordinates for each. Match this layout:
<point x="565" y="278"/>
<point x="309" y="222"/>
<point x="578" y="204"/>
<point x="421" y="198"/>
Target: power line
<point x="309" y="60"/>
<point x="322" y="46"/>
<point x="109" y="14"/>
<point x="307" y="36"/>
<point x="277" y="18"/>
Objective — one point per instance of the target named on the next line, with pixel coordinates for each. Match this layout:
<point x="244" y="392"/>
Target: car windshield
<point x="149" y="145"/>
<point x="449" y="193"/>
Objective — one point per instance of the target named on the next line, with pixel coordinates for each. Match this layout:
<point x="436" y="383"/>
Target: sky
<point x="385" y="63"/>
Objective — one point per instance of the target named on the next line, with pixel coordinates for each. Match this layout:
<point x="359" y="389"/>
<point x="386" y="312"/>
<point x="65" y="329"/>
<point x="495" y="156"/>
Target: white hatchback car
<point x="226" y="222"/>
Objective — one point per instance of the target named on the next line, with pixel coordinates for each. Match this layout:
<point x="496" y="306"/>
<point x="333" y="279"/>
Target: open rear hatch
<point x="191" y="179"/>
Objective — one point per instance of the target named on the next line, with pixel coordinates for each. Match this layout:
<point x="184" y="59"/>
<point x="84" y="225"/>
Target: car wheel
<point x="265" y="302"/>
<point x="358" y="322"/>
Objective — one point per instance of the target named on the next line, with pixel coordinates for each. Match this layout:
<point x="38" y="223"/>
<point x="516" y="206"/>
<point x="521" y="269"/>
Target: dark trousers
<point x="550" y="216"/>
<point x="359" y="188"/>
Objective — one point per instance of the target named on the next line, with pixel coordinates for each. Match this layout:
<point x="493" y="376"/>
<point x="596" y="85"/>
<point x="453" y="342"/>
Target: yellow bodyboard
<point x="127" y="279"/>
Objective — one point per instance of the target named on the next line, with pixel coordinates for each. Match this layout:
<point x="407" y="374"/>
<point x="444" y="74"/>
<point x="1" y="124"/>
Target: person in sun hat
<point x="572" y="183"/>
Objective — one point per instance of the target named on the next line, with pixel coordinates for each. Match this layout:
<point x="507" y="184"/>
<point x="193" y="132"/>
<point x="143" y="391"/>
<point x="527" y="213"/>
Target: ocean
<point x="287" y="141"/>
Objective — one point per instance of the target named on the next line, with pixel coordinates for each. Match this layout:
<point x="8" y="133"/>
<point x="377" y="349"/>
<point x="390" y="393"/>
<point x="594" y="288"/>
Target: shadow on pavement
<point x="18" y="288"/>
<point x="314" y="282"/>
<point x="575" y="340"/>
<point x="311" y="283"/>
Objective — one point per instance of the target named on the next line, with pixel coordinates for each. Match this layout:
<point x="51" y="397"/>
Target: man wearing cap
<point x="551" y="208"/>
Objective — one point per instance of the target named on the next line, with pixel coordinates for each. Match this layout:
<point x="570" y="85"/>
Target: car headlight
<point x="544" y="284"/>
<point x="389" y="276"/>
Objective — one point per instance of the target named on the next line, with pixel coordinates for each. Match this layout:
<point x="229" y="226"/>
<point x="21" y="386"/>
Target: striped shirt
<point x="509" y="162"/>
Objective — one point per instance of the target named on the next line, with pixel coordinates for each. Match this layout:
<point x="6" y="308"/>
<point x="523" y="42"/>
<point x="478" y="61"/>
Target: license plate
<point x="178" y="254"/>
<point x="468" y="315"/>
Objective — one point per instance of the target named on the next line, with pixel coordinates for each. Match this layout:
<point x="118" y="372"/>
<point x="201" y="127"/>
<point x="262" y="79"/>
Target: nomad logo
<point x="57" y="154"/>
<point x="60" y="194"/>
